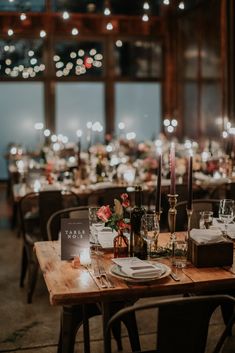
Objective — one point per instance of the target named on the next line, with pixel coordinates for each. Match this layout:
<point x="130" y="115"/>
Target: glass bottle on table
<point x="138" y="246"/>
<point x="120" y="245"/>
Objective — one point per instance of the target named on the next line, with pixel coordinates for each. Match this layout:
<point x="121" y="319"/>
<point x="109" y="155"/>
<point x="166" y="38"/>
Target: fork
<point x="99" y="276"/>
<point x="105" y="276"/>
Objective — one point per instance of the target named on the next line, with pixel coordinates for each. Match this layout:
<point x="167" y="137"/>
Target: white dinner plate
<point x="116" y="271"/>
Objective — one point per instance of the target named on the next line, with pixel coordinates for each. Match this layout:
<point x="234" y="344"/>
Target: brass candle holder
<point x="172" y="217"/>
<point x="189" y="216"/>
<point x="158" y="215"/>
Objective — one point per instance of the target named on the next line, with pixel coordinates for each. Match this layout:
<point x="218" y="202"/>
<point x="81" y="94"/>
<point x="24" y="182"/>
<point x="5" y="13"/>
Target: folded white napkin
<point x="206" y="236"/>
<point x="106" y="236"/>
<point x="136" y="268"/>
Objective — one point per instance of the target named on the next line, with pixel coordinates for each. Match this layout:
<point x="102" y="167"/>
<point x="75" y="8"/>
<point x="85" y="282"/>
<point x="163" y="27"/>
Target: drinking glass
<point x="226" y="213"/>
<point x="95" y="223"/>
<point x="149" y="230"/>
<point x="206" y="219"/>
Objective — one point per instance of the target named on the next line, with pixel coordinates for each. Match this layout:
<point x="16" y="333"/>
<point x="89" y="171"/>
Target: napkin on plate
<point x="136" y="268"/>
<point x="206" y="236"/>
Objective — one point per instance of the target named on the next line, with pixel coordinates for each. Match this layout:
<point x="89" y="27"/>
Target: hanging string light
<point x="66" y="15"/>
<point x="181" y="5"/>
<point x="10" y="32"/>
<point x="42" y="33"/>
<point x="146" y="8"/>
<point x="107" y="10"/>
<point x="23" y="16"/>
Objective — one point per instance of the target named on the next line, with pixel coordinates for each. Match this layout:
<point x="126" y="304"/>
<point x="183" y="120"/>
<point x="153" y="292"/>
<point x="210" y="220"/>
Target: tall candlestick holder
<point x="172" y="198"/>
<point x="158" y="215"/>
<point x="189" y="216"/>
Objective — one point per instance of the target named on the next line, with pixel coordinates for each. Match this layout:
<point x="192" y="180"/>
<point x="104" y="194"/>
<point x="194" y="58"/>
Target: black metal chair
<point x="35" y="210"/>
<point x="181" y="324"/>
<point x="73" y="317"/>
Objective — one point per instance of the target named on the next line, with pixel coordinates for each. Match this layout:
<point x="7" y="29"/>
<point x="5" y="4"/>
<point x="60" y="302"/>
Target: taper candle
<point x="172" y="168"/>
<point x="159" y="178"/>
<point x="190" y="181"/>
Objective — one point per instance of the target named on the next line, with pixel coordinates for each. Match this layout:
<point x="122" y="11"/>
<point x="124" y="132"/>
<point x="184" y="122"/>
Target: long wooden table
<point x="74" y="286"/>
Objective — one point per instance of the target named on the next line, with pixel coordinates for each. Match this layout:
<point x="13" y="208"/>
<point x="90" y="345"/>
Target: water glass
<point x="179" y="253"/>
<point x="226" y="213"/>
<point x="149" y="230"/>
<point x="206" y="219"/>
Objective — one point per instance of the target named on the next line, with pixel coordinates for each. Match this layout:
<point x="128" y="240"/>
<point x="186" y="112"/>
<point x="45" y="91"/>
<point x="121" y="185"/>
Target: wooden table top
<point x="70" y="286"/>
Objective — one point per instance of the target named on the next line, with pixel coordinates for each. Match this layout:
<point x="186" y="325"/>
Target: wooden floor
<point x="35" y="327"/>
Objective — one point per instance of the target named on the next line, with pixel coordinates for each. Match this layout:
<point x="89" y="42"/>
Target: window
<point x="21" y="58"/>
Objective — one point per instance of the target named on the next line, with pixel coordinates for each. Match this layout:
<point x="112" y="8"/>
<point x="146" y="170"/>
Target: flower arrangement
<point x="115" y="218"/>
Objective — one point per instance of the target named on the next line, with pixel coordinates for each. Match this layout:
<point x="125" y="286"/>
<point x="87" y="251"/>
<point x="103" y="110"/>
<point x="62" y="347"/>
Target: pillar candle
<point x="172" y="168"/>
<point x="159" y="177"/>
<point x="79" y="153"/>
<point x="190" y="181"/>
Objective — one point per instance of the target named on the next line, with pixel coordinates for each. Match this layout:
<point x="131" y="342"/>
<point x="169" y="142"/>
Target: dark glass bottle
<point x="99" y="170"/>
<point x="120" y="245"/>
<point x="138" y="246"/>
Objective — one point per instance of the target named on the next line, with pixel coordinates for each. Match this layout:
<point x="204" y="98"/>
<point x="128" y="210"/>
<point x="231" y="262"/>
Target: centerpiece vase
<point x="120" y="244"/>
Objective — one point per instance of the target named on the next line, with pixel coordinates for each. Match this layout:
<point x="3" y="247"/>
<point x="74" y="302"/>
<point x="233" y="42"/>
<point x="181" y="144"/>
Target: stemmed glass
<point x="226" y="213"/>
<point x="149" y="230"/>
<point x="95" y="223"/>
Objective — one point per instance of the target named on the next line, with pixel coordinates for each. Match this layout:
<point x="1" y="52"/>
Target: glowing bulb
<point x="10" y="32"/>
<point x="145" y="18"/>
<point x="38" y="126"/>
<point x="146" y="6"/>
<point x="23" y="16"/>
<point x="65" y="15"/>
<point x="74" y="31"/>
<point x="166" y="122"/>
<point x="174" y="122"/>
<point x="170" y="129"/>
<point x="109" y="26"/>
<point x="79" y="133"/>
<point x="121" y="125"/>
<point x="166" y="2"/>
<point x="119" y="43"/>
<point x="224" y="134"/>
<point x="181" y="5"/>
<point x="107" y="11"/>
<point x="43" y="33"/>
<point x="47" y="132"/>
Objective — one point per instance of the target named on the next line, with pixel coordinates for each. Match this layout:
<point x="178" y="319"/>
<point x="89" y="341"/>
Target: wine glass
<point x="149" y="230"/>
<point x="226" y="213"/>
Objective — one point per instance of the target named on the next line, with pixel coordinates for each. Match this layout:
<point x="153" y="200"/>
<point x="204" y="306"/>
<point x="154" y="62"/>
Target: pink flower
<point x="123" y="225"/>
<point x="124" y="196"/>
<point x="104" y="213"/>
<point x="126" y="203"/>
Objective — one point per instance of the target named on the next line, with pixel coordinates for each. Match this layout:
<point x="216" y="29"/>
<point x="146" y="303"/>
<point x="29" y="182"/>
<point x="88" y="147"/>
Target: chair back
<point x="36" y="209"/>
<point x="181" y="324"/>
<point x="53" y="224"/>
<point x="198" y="206"/>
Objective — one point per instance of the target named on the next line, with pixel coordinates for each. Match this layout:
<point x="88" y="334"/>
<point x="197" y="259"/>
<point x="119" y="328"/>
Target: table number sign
<point x="74" y="237"/>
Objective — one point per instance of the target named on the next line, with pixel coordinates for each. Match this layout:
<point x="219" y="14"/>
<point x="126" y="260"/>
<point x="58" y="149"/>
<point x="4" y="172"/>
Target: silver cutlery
<point x="174" y="276"/>
<point x="100" y="278"/>
<point x="103" y="273"/>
